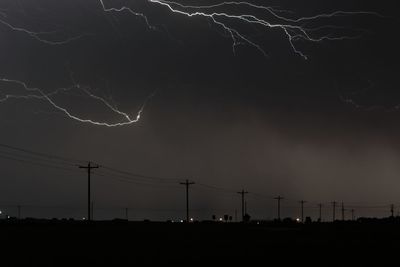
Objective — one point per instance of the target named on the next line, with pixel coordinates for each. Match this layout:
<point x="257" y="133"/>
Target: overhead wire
<point x="47" y="160"/>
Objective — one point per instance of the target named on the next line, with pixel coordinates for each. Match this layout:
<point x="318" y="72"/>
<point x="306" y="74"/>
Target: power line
<point x="33" y="157"/>
<point x="36" y="163"/>
<point x="160" y="179"/>
<point x="220" y="189"/>
<point x="47" y="160"/>
<point x="38" y="158"/>
<point x="135" y="182"/>
<point x="41" y="154"/>
<point x="112" y="176"/>
<point x="130" y="178"/>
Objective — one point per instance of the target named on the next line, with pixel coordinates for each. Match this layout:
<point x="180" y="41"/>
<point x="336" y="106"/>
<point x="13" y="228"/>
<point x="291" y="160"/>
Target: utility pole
<point x="342" y="211"/>
<point x="187" y="184"/>
<point x="19" y="211"/>
<point x="320" y="212"/>
<point x="334" y="211"/>
<point x="243" y="193"/>
<point x="302" y="210"/>
<point x="92" y="210"/>
<point x="392" y="210"/>
<point x="89" y="168"/>
<point x="279" y="198"/>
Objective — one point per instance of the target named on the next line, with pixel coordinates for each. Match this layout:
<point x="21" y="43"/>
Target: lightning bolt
<point x="220" y="14"/>
<point x="229" y="16"/>
<point x="39" y="94"/>
<point x="39" y="35"/>
<point x="353" y="99"/>
<point x="348" y="100"/>
<point x="124" y="8"/>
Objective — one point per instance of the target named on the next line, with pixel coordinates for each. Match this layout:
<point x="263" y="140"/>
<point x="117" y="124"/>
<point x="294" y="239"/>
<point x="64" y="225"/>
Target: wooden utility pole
<point x="187" y="184"/>
<point x="342" y="211"/>
<point x="279" y="198"/>
<point x="19" y="211"/>
<point x="92" y="210"/>
<point x="334" y="211"/>
<point x="89" y="168"/>
<point x="302" y="210"/>
<point x="320" y="212"/>
<point x="243" y="193"/>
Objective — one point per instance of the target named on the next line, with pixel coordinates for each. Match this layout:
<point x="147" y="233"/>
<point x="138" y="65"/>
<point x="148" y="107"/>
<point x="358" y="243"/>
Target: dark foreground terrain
<point x="119" y="243"/>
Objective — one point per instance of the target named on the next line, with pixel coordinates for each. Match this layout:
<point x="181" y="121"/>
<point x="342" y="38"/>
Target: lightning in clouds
<point x="124" y="8"/>
<point x="39" y="94"/>
<point x="232" y="17"/>
<point x="31" y="93"/>
<point x="352" y="102"/>
<point x="365" y="99"/>
<point x="226" y="16"/>
<point x="41" y="36"/>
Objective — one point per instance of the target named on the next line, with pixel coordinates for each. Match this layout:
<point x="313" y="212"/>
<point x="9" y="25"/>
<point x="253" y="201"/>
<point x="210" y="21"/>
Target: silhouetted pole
<point x="187" y="184"/>
<point x="320" y="212"/>
<point x="19" y="211"/>
<point x="279" y="198"/>
<point x="342" y="211"/>
<point x="245" y="207"/>
<point x="92" y="210"/>
<point x="302" y="210"/>
<point x="334" y="211"/>
<point x="392" y="210"/>
<point x="243" y="193"/>
<point x="89" y="168"/>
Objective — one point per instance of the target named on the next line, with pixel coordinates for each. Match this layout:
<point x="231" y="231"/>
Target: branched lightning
<point x="124" y="8"/>
<point x="228" y="16"/>
<point x="353" y="99"/>
<point x="222" y="15"/>
<point x="39" y="35"/>
<point x="39" y="94"/>
<point x="352" y="102"/>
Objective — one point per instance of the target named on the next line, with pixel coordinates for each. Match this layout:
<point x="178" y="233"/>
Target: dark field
<point x="57" y="243"/>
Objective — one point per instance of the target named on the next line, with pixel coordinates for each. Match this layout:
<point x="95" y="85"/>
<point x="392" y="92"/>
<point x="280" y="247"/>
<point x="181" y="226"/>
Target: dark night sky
<point x="274" y="125"/>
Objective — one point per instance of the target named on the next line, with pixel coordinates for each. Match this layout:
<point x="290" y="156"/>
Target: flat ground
<point x="57" y="243"/>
